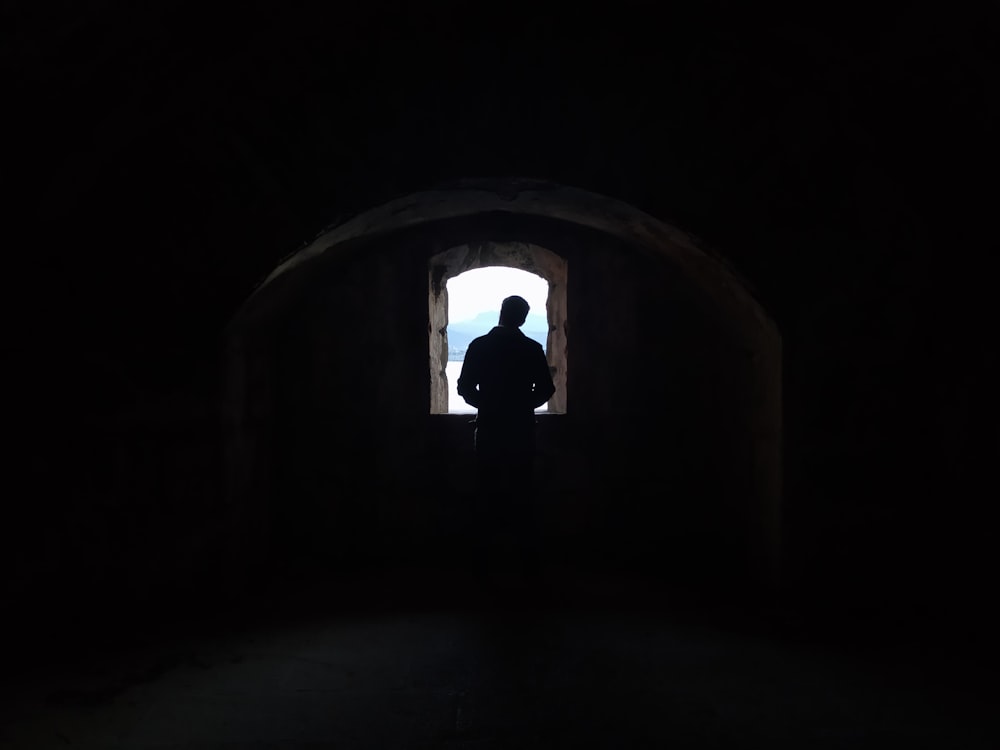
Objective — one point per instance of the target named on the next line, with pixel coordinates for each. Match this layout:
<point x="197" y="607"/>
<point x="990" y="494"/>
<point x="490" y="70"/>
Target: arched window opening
<point x="474" y="299"/>
<point x="481" y="275"/>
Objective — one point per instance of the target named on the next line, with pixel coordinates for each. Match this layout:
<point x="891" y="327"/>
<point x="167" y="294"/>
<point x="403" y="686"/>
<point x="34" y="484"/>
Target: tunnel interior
<point x="780" y="373"/>
<point x="663" y="466"/>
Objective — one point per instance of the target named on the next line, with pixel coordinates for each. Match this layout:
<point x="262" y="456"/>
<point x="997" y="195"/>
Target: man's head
<point x="514" y="311"/>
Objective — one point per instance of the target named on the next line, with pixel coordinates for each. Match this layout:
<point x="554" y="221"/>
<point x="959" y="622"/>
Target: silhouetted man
<point x="506" y="377"/>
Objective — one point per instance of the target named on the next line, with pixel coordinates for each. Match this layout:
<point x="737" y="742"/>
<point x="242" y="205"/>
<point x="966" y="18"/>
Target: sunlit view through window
<point x="474" y="299"/>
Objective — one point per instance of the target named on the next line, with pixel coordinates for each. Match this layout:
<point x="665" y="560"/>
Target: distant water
<point x="456" y="404"/>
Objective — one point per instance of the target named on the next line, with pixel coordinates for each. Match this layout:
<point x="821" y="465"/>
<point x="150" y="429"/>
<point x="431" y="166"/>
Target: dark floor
<point x="572" y="664"/>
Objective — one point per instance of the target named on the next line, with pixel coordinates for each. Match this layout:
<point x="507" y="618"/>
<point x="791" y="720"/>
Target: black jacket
<point x="506" y="377"/>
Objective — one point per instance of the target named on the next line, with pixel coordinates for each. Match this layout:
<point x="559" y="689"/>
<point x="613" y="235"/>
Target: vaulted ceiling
<point x="166" y="157"/>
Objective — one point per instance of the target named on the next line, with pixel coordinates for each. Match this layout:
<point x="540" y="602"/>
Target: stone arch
<point x="528" y="198"/>
<point x="757" y="363"/>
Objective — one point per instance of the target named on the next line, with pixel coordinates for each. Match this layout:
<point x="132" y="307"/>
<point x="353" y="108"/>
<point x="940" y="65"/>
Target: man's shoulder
<point x="491" y="335"/>
<point x="479" y="343"/>
<point x="530" y="342"/>
<point x="479" y="340"/>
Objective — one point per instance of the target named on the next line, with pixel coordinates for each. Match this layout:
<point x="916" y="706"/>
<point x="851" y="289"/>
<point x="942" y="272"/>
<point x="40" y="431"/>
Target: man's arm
<point x="468" y="380"/>
<point x="544" y="387"/>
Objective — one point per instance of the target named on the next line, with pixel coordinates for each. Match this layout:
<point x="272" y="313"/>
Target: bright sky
<point x="483" y="289"/>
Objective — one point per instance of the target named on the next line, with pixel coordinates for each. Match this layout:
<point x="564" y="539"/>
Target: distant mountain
<point x="461" y="333"/>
